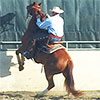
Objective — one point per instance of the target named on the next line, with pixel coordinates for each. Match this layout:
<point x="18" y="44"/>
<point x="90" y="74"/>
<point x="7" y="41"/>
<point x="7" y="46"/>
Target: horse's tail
<point x="69" y="80"/>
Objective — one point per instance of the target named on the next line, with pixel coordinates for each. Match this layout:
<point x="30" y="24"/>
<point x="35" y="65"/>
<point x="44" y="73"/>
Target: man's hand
<point x="47" y="15"/>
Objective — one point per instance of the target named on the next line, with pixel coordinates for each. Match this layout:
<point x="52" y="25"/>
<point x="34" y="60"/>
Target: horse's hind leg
<point x="50" y="82"/>
<point x="50" y="85"/>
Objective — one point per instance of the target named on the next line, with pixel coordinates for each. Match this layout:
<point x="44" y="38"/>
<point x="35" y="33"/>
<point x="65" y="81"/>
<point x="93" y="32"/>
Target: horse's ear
<point x="40" y="4"/>
<point x="34" y="3"/>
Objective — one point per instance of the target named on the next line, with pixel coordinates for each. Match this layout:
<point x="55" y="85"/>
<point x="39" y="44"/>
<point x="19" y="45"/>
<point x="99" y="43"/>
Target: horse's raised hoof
<point x="21" y="68"/>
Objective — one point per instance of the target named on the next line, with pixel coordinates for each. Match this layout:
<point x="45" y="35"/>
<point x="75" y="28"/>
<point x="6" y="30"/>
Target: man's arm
<point x="43" y="25"/>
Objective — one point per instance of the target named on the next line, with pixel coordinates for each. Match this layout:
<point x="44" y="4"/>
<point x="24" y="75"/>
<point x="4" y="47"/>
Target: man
<point x="53" y="24"/>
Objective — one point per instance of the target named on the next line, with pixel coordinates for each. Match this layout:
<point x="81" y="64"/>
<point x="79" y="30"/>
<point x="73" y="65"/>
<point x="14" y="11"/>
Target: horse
<point x="54" y="63"/>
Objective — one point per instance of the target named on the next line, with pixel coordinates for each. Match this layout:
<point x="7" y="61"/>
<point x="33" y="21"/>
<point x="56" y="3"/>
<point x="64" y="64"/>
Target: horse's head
<point x="35" y="9"/>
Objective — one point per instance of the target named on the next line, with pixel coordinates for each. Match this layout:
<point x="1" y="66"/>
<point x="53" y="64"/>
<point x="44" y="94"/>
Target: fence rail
<point x="10" y="42"/>
<point x="66" y="44"/>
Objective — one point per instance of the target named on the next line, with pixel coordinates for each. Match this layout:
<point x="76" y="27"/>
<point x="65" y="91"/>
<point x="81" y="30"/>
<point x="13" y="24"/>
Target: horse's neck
<point x="32" y="24"/>
<point x="32" y="21"/>
<point x="32" y="27"/>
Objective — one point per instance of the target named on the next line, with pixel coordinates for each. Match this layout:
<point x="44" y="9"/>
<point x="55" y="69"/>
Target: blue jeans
<point x="55" y="39"/>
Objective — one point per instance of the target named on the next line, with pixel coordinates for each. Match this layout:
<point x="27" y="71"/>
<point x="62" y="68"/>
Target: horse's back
<point x="62" y="54"/>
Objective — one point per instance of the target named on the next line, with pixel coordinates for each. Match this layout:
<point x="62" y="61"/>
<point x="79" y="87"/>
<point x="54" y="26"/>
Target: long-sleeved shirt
<point x="53" y="24"/>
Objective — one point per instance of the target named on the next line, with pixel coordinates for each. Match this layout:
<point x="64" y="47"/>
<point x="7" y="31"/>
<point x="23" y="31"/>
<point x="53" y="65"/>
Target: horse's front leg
<point x="20" y="60"/>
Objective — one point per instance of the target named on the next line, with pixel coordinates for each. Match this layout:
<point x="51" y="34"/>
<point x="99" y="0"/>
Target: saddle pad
<point x="52" y="48"/>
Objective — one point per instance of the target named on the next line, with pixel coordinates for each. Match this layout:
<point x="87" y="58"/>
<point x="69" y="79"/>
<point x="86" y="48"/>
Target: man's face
<point x="54" y="13"/>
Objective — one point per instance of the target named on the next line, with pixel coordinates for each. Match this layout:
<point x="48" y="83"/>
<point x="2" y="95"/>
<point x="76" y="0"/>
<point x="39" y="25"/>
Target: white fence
<point x="66" y="44"/>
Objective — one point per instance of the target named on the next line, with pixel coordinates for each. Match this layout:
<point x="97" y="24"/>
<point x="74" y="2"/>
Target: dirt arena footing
<point x="51" y="95"/>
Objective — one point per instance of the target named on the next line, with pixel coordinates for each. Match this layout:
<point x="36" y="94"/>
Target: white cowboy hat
<point x="57" y="10"/>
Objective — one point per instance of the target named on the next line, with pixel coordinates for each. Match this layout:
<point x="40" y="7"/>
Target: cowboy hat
<point x="57" y="10"/>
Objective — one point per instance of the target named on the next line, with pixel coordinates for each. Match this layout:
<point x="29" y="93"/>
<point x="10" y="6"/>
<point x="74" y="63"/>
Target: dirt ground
<point x="51" y="95"/>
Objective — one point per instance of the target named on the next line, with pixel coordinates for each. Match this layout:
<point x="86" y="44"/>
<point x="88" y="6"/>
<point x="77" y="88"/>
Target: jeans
<point x="55" y="39"/>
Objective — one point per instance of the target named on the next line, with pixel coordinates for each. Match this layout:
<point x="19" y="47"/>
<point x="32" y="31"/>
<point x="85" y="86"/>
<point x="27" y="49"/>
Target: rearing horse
<point x="54" y="63"/>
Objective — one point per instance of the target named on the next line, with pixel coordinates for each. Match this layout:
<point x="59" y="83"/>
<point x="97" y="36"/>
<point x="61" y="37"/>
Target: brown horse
<point x="54" y="63"/>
